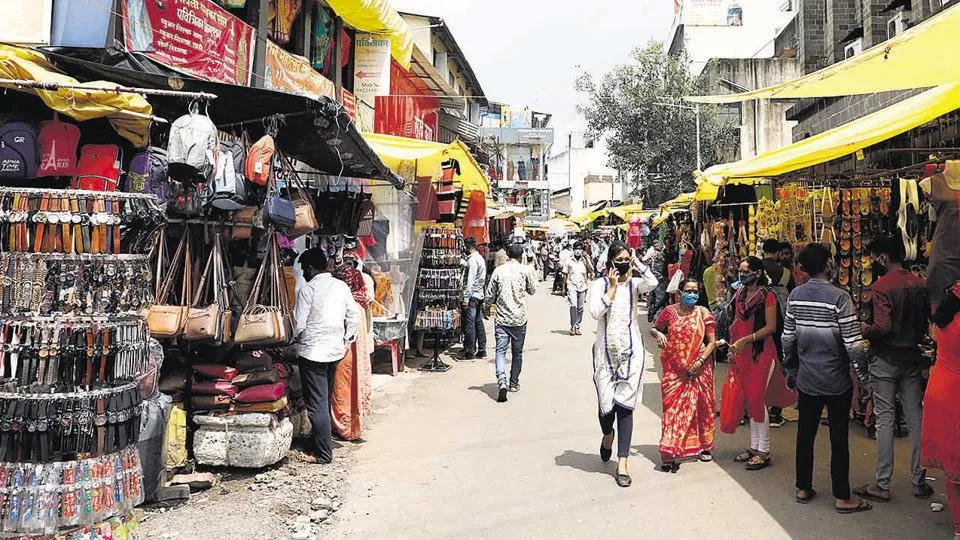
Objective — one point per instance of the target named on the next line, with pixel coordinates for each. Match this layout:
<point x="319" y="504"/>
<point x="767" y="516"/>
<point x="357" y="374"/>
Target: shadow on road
<point x="585" y="462"/>
<point x="490" y="389"/>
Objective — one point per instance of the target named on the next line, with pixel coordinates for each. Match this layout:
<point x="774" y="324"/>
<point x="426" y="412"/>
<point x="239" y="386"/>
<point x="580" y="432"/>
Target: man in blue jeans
<point x="474" y="335"/>
<point x="509" y="287"/>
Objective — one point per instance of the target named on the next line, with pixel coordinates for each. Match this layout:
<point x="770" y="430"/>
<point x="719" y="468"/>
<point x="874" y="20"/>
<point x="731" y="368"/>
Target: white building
<point x="727" y="28"/>
<point x="579" y="176"/>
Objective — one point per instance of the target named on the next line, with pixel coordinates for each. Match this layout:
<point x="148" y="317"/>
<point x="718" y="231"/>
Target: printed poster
<point x="197" y="37"/>
<point x="294" y="74"/>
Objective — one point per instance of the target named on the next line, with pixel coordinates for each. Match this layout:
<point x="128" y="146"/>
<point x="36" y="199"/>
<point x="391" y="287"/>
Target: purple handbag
<point x="279" y="212"/>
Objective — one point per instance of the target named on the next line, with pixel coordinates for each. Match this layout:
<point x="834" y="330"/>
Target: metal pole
<point x="570" y="171"/>
<point x="696" y="110"/>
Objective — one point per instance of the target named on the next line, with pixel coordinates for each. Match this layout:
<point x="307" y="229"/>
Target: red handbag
<point x="262" y="393"/>
<point x="731" y="404"/>
<point x="216" y="372"/>
<point x="213" y="388"/>
<point x="99" y="167"/>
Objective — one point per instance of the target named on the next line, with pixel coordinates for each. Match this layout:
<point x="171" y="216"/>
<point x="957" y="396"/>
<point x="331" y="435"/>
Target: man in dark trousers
<point x="782" y="284"/>
<point x="474" y="335"/>
<point x="900" y="302"/>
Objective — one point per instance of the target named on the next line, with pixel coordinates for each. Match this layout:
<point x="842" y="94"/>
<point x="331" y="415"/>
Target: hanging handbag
<point x="305" y="217"/>
<point x="266" y="323"/>
<point x="212" y="322"/>
<point x="167" y="320"/>
<point x="277" y="209"/>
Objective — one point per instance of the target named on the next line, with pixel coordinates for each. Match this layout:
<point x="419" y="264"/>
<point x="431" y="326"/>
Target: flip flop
<point x="812" y="494"/>
<point x="862" y="506"/>
<point x="863" y="493"/>
<point x="749" y="455"/>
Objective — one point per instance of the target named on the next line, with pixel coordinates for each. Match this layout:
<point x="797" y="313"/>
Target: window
<point x="896" y="25"/>
<point x="853" y="48"/>
<point x="588" y="144"/>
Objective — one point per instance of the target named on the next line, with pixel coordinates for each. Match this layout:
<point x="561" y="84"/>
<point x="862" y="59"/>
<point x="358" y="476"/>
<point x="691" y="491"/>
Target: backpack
<point x="58" y="147"/>
<point x="148" y="174"/>
<point x="229" y="190"/>
<point x="260" y="160"/>
<point x="19" y="151"/>
<point x="192" y="150"/>
<point x="99" y="167"/>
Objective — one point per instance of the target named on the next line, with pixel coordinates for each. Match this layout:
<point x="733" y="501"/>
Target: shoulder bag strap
<point x="161" y="252"/>
<point x="258" y="283"/>
<point x="202" y="287"/>
<point x="187" y="287"/>
<point x="168" y="277"/>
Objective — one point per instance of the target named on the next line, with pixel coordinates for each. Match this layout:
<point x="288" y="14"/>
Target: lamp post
<point x="696" y="111"/>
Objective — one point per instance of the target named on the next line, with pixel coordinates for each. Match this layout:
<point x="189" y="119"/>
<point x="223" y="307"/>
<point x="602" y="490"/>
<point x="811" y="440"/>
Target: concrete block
<point x="244" y="440"/>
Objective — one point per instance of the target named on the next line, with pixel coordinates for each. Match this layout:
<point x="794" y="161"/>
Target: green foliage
<point x="655" y="144"/>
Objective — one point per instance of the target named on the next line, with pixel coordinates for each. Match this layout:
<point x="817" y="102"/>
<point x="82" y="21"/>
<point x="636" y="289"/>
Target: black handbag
<point x="186" y="200"/>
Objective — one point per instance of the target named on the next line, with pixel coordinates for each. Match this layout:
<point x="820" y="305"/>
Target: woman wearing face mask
<point x="685" y="334"/>
<point x="752" y="358"/>
<point x="618" y="351"/>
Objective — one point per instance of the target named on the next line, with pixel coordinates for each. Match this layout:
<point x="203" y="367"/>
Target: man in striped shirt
<point x="821" y="340"/>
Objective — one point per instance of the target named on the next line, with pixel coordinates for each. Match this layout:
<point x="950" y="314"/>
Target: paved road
<point x="444" y="460"/>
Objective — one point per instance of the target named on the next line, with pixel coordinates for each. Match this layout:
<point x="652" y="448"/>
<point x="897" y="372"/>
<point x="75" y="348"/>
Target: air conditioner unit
<point x="853" y="48"/>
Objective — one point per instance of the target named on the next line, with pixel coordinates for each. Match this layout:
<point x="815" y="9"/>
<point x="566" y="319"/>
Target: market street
<point x="442" y="459"/>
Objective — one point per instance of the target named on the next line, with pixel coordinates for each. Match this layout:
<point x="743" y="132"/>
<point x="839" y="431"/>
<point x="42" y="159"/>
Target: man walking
<point x="900" y="301"/>
<point x="577" y="276"/>
<point x="820" y="341"/>
<point x="327" y="322"/>
<point x="509" y="287"/>
<point x="782" y="284"/>
<point x="474" y="335"/>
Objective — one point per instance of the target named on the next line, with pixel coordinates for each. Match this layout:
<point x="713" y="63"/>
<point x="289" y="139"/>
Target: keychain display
<point x="438" y="318"/>
<point x="40" y="428"/>
<point x="442" y="237"/>
<point x="67" y="221"/>
<point x="59" y="354"/>
<point x="41" y="498"/>
<point x="51" y="283"/>
<point x="440" y="257"/>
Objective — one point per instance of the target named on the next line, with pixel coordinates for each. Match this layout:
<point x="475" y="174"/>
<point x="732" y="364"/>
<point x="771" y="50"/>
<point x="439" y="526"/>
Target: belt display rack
<point x="439" y="290"/>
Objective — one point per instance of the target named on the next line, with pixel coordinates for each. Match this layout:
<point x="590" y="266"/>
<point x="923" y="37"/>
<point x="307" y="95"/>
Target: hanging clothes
<point x="944" y="268"/>
<point x="447" y="193"/>
<point x="281" y="16"/>
<point x="428" y="203"/>
<point x="475" y="220"/>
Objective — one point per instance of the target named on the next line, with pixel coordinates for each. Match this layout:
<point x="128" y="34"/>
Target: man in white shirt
<point x="474" y="335"/>
<point x="577" y="276"/>
<point x="327" y="321"/>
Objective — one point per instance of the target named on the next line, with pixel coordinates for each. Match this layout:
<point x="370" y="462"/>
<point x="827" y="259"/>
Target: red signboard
<point x="197" y="37"/>
<point x="411" y="110"/>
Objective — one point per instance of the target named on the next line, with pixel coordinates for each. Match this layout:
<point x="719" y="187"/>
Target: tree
<point x="654" y="144"/>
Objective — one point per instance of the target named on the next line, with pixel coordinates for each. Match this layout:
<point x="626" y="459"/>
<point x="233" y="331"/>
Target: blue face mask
<point x="690" y="298"/>
<point x="736" y="285"/>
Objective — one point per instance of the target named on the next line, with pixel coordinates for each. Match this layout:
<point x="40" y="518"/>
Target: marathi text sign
<point x="712" y="13"/>
<point x="291" y="73"/>
<point x="371" y="76"/>
<point x="195" y="36"/>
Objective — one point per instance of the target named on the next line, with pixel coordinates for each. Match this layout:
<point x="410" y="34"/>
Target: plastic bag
<point x="176" y="440"/>
<point x="731" y="404"/>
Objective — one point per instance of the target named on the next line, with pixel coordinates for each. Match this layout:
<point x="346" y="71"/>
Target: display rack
<point x="439" y="290"/>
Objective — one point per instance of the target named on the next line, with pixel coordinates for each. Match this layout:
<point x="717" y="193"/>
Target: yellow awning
<point x="81" y="105"/>
<point x="838" y="142"/>
<point x="627" y="211"/>
<point x="921" y="57"/>
<point x="708" y="191"/>
<point x="400" y="154"/>
<point x="378" y="17"/>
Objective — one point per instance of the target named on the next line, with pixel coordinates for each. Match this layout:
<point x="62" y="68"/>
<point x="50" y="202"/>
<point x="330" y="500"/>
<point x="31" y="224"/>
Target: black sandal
<point x="667" y="466"/>
<point x="811" y="494"/>
<point x="751" y="466"/>
<point x="746" y="456"/>
<point x="706" y="457"/>
<point x="624" y="480"/>
<point x="605" y="453"/>
<point x="861" y="506"/>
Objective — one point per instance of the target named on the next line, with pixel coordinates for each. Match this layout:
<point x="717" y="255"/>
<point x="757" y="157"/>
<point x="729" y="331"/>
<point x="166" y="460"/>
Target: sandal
<point x="706" y="457"/>
<point x="864" y="492"/>
<point x="746" y="456"/>
<point x="754" y="465"/>
<point x="624" y="480"/>
<point x="861" y="506"/>
<point x="606" y="453"/>
<point x="667" y="466"/>
<point x="811" y="494"/>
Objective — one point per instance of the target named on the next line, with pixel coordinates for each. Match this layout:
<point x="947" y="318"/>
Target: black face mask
<point x="622" y="267"/>
<point x="878" y="268"/>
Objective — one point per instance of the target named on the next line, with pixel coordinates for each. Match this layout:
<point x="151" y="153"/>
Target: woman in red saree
<point x="941" y="418"/>
<point x="685" y="333"/>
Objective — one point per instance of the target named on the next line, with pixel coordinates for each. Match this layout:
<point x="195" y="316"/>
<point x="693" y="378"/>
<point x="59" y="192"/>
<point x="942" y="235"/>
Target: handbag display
<point x="214" y="388"/>
<point x="256" y="378"/>
<point x="262" y="393"/>
<point x="205" y="403"/>
<point x="216" y="372"/>
<point x="305" y="217"/>
<point x="210" y="322"/>
<point x="261" y="407"/>
<point x="99" y="167"/>
<point x="253" y="360"/>
<point x="167" y="320"/>
<point x="267" y="321"/>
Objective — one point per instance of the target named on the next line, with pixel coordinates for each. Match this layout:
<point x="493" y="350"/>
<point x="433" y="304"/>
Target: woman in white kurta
<point x="618" y="351"/>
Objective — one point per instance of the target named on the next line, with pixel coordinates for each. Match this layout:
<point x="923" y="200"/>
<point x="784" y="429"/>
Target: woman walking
<point x="752" y="358"/>
<point x="941" y="419"/>
<point x="618" y="351"/>
<point x="685" y="333"/>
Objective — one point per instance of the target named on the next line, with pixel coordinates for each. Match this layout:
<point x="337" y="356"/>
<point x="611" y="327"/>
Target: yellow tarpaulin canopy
<point x="708" y="191"/>
<point x="378" y="17"/>
<point x="81" y="105"/>
<point x="838" y="142"/>
<point x="680" y="202"/>
<point x="400" y="153"/>
<point x="921" y="57"/>
<point x="627" y="211"/>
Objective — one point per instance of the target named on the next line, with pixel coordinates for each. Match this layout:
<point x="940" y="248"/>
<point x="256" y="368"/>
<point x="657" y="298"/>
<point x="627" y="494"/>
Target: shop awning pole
<point x="108" y="90"/>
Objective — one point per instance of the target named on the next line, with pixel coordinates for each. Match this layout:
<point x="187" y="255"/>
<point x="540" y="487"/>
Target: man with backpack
<point x="782" y="284"/>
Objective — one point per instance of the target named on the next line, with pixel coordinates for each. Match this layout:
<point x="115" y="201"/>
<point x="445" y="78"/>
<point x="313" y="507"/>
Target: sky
<point x="530" y="52"/>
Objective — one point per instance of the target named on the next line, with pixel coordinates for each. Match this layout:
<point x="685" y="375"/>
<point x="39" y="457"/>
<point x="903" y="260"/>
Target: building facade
<point x="579" y="176"/>
<point x="516" y="142"/>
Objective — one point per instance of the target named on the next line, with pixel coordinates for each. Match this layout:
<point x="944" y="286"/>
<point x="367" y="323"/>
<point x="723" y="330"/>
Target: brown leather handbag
<point x="243" y="223"/>
<point x="306" y="217"/>
<point x="210" y="322"/>
<point x="266" y="321"/>
<point x="167" y="320"/>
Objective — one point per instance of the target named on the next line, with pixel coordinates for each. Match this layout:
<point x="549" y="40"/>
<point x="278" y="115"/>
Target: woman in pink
<point x="941" y="417"/>
<point x="753" y="355"/>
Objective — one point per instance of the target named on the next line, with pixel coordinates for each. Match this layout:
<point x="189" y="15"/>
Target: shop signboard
<point x="197" y="37"/>
<point x="543" y="136"/>
<point x="26" y="21"/>
<point x="713" y="12"/>
<point x="294" y="74"/>
<point x="371" y="72"/>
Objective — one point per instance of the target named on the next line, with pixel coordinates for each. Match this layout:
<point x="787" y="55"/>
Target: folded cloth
<point x="216" y="372"/>
<point x="263" y="407"/>
<point x="262" y="393"/>
<point x="213" y="388"/>
<point x="255" y="378"/>
<point x="220" y="402"/>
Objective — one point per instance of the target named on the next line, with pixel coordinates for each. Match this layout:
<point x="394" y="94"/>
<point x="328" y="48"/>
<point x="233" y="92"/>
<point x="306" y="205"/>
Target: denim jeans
<point x="576" y="299"/>
<point x="509" y="337"/>
<point x="474" y="335"/>
<point x="887" y="378"/>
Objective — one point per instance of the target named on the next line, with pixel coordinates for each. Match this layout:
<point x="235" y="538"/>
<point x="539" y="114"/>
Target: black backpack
<point x="19" y="150"/>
